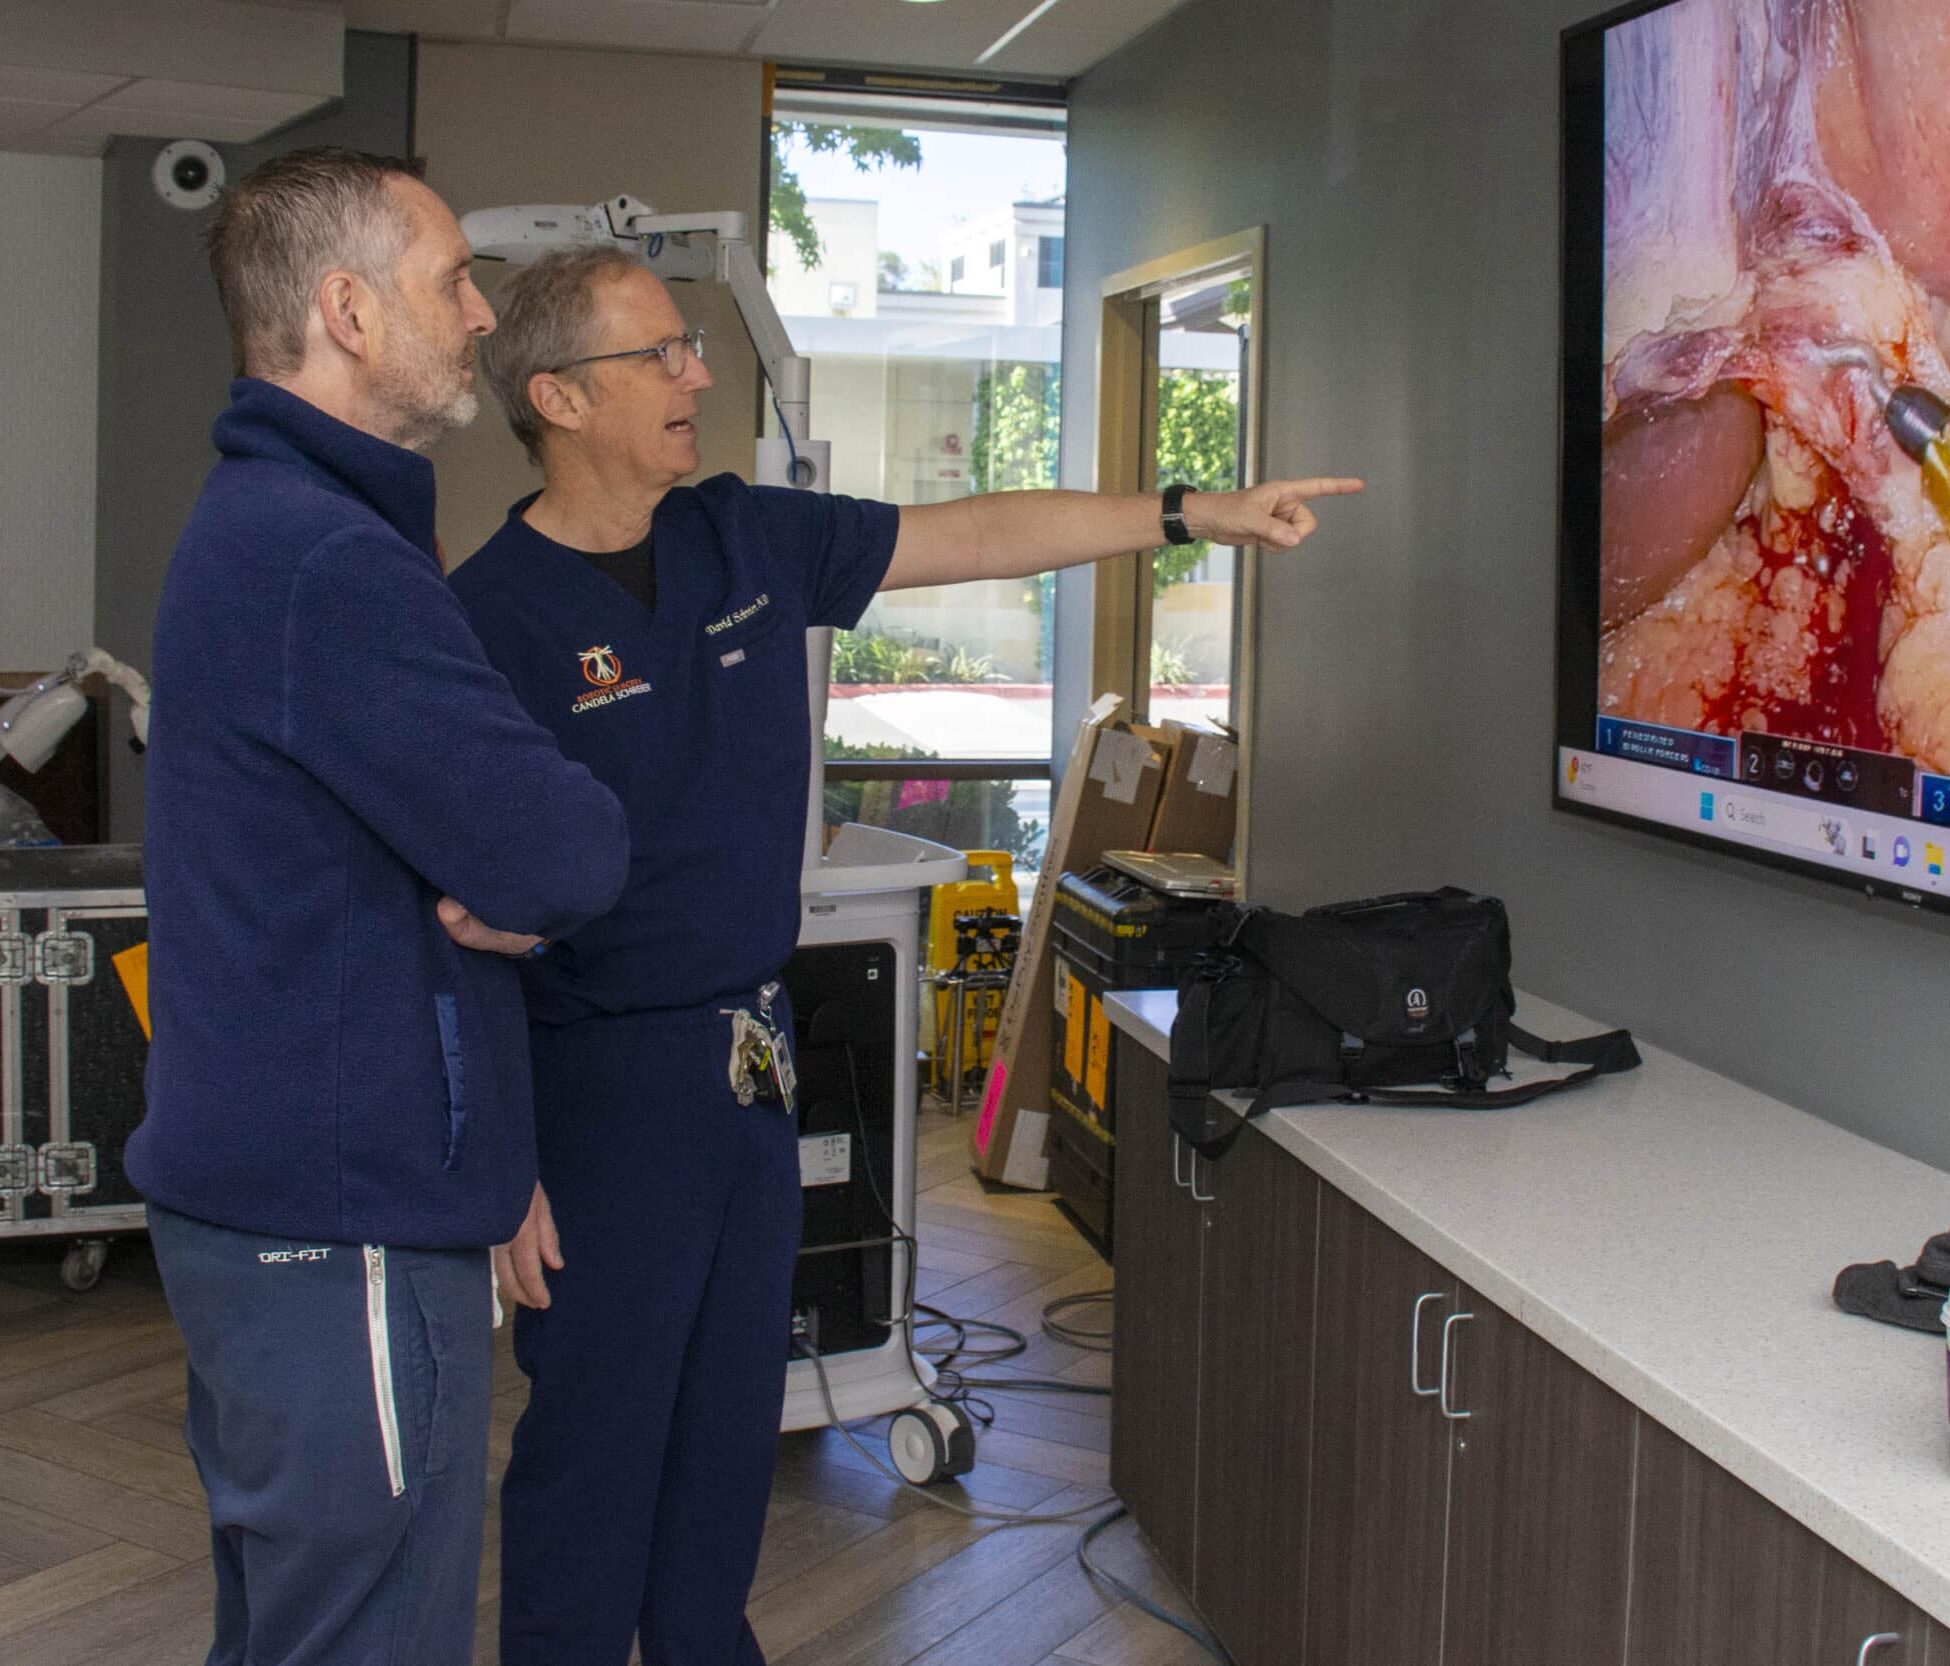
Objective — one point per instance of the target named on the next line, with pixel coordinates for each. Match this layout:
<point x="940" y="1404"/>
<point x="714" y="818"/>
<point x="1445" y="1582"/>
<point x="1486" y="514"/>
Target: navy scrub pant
<point x="338" y="1411"/>
<point x="635" y="1498"/>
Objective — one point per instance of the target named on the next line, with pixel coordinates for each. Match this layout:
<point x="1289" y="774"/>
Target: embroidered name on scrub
<point x="604" y="671"/>
<point x="762" y="600"/>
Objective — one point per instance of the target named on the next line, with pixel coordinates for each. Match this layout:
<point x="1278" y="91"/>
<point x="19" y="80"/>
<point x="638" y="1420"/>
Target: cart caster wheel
<point x="81" y="1267"/>
<point x="931" y="1443"/>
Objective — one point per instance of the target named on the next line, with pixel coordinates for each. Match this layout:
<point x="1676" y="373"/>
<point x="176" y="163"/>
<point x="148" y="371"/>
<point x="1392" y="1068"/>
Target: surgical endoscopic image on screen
<point x="1756" y="551"/>
<point x="1777" y="269"/>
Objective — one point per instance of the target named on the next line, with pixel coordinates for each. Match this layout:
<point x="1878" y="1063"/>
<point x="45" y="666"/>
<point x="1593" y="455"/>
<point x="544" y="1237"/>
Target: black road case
<point x="73" y="1041"/>
<point x="1110" y="932"/>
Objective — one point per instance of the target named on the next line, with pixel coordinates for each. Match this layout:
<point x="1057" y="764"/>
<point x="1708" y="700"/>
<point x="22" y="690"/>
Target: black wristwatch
<point x="1174" y="514"/>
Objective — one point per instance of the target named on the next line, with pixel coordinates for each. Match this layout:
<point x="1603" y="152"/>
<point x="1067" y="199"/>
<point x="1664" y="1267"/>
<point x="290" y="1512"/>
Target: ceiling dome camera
<point x="187" y="174"/>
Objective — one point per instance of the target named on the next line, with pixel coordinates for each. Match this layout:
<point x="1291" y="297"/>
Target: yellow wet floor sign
<point x="132" y="965"/>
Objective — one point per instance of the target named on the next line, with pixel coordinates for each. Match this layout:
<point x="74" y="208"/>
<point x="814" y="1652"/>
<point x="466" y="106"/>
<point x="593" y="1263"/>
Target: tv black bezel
<point x="1581" y="221"/>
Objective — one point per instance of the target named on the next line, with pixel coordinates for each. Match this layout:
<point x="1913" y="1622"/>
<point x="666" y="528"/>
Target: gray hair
<point x="280" y="230"/>
<point x="547" y="318"/>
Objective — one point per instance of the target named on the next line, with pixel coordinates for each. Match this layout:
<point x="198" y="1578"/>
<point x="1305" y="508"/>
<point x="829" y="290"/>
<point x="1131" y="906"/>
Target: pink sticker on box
<point x="991" y="1103"/>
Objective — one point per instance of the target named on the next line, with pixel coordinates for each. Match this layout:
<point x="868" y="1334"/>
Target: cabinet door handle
<point x="1446" y="1370"/>
<point x="1871" y="1644"/>
<point x="1197" y="1195"/>
<point x="1415" y="1343"/>
<point x="1177" y="1146"/>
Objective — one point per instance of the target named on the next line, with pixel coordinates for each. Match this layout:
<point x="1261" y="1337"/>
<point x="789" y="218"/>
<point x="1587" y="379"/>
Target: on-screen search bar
<point x="1819" y="830"/>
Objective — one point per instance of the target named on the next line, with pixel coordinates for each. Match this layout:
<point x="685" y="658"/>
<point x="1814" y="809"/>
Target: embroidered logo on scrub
<point x="274" y="1258"/>
<point x="602" y="667"/>
<point x="604" y="671"/>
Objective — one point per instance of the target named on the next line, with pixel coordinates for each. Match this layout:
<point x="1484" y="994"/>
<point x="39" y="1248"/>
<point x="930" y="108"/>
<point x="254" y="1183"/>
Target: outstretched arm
<point x="1014" y="534"/>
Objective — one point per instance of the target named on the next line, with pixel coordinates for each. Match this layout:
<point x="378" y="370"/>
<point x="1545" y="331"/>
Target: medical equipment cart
<point x="73" y="1041"/>
<point x="855" y="984"/>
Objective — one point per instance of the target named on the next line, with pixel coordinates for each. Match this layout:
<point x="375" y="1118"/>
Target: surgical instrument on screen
<point x="1918" y="419"/>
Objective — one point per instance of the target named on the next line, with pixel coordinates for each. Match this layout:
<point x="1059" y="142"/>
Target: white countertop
<point x="1677" y="1235"/>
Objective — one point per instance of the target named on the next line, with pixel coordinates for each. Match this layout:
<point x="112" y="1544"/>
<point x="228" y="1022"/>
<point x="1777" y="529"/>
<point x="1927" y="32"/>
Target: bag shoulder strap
<point x="1601" y="1055"/>
<point x="1190" y="1081"/>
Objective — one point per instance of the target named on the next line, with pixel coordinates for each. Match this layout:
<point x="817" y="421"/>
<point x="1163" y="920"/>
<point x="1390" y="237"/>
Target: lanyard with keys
<point x="760" y="1068"/>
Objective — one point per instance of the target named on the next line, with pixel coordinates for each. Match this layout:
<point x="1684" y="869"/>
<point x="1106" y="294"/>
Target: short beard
<point x="418" y="393"/>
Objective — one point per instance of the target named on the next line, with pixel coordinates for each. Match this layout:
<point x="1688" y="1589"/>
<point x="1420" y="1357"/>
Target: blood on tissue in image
<point x="1777" y="256"/>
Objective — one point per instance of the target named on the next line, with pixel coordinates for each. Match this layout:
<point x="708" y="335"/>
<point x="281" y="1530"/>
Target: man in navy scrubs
<point x="343" y="797"/>
<point x="659" y="631"/>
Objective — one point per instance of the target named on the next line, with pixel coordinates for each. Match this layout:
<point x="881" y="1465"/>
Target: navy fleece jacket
<point x="330" y="752"/>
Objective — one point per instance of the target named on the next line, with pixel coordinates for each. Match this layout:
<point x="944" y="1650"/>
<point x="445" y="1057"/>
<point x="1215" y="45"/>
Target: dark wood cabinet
<point x="1378" y="1499"/>
<point x="1255" y="1399"/>
<point x="1155" y="1366"/>
<point x="1349" y="1458"/>
<point x="1720" y="1577"/>
<point x="1540" y="1501"/>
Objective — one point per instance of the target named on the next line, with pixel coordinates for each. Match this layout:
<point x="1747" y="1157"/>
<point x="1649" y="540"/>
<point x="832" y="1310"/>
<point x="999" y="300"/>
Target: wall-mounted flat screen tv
<point x="1754" y="565"/>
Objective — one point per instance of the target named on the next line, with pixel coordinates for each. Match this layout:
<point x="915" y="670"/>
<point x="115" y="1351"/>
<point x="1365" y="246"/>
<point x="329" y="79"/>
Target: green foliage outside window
<point x="1198" y="443"/>
<point x="872" y="656"/>
<point x="1017" y="415"/>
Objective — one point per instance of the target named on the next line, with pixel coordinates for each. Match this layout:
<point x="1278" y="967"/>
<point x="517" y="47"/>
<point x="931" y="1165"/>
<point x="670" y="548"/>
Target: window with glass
<point x="1201" y="362"/>
<point x="1049" y="263"/>
<point x="939" y="718"/>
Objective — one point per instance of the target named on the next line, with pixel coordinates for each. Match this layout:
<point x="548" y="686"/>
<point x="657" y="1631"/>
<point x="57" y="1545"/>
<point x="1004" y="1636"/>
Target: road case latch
<point x="16" y="958"/>
<point x="65" y="957"/>
<point x="68" y="1170"/>
<point x="16" y="1170"/>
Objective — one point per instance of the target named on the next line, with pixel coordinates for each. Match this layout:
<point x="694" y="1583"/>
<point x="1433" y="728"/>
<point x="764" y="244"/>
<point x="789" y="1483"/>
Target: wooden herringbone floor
<point x="104" y="1552"/>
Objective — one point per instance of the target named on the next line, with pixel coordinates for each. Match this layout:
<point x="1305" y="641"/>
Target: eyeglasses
<point x="676" y="353"/>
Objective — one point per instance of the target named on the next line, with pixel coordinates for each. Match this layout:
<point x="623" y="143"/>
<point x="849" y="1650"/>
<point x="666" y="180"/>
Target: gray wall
<point x="47" y="430"/>
<point x="1404" y="159"/>
<point x="165" y="364"/>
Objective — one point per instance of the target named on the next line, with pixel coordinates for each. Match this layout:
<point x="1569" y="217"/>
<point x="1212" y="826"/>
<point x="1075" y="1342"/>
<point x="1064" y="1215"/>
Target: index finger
<point x="1328" y="486"/>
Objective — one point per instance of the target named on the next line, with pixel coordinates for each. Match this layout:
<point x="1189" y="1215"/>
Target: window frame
<point x="1127" y="461"/>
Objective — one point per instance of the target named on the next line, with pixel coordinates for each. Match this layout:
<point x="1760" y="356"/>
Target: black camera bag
<point x="1398" y="1000"/>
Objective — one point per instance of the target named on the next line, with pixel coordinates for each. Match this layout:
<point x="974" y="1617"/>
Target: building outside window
<point x="997" y="250"/>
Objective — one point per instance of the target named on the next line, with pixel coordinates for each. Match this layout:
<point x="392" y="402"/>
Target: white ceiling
<point x="72" y="76"/>
<point x="1053" y="39"/>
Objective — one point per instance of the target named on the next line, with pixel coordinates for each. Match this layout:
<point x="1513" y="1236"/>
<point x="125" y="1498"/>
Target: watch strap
<point x="1173" y="515"/>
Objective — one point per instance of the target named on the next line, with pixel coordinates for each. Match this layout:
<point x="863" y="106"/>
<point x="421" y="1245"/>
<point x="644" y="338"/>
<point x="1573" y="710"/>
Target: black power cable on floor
<point x="1137" y="1599"/>
<point x="1092" y="1341"/>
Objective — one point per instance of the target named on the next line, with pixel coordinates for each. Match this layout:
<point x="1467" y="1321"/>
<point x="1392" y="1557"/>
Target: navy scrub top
<point x="693" y="713"/>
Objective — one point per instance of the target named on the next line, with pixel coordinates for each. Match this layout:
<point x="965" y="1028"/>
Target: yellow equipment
<point x="989" y="888"/>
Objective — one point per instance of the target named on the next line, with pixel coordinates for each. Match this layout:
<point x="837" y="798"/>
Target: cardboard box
<point x="1107" y="801"/>
<point x="1199" y="804"/>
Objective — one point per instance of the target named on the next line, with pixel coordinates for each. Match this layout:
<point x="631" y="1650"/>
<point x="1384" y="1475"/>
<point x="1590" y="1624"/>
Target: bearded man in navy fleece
<point x="353" y="829"/>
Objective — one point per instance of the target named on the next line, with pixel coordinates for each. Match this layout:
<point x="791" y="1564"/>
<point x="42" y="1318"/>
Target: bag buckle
<point x="1352" y="1047"/>
<point x="1469" y="1070"/>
